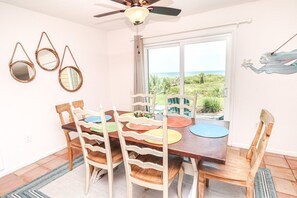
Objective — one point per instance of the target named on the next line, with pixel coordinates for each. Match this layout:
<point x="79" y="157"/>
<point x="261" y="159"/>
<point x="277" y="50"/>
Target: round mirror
<point x="70" y="78"/>
<point x="22" y="71"/>
<point x="47" y="59"/>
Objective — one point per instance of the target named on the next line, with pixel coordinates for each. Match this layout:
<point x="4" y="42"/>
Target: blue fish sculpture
<point x="281" y="63"/>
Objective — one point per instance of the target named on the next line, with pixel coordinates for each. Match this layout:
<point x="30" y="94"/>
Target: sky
<point x="207" y="56"/>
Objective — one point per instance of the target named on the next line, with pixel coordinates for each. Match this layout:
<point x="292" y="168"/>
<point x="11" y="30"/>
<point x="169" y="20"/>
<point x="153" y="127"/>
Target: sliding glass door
<point x="198" y="66"/>
<point x="163" y="72"/>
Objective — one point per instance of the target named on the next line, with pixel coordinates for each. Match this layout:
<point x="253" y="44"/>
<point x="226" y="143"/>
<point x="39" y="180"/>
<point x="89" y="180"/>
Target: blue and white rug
<point x="62" y="183"/>
<point x="264" y="186"/>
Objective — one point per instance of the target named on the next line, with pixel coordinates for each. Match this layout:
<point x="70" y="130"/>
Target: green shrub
<point x="211" y="105"/>
<point x="174" y="90"/>
<point x="217" y="92"/>
<point x="202" y="76"/>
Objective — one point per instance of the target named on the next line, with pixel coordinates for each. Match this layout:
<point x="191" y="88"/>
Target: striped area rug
<point x="264" y="186"/>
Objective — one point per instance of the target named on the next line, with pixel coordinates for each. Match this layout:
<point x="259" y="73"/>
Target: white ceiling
<point x="82" y="11"/>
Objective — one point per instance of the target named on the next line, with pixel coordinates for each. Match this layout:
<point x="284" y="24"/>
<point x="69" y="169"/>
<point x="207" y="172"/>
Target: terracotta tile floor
<point x="283" y="169"/>
<point x="33" y="171"/>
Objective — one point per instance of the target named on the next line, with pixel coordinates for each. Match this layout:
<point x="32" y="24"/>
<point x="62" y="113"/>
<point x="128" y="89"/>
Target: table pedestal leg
<point x="191" y="169"/>
<point x="98" y="174"/>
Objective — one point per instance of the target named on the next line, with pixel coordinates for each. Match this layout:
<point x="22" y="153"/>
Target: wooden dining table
<point x="192" y="147"/>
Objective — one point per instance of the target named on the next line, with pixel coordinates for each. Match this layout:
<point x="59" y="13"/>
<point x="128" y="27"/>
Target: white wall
<point x="273" y="23"/>
<point x="29" y="108"/>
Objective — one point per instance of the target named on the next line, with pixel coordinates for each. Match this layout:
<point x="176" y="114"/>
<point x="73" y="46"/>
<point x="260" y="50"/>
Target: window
<point x="192" y="66"/>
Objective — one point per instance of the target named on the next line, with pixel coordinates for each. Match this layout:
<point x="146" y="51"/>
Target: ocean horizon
<point x="192" y="73"/>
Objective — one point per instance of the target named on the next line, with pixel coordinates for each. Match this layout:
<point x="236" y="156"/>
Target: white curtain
<point x="139" y="70"/>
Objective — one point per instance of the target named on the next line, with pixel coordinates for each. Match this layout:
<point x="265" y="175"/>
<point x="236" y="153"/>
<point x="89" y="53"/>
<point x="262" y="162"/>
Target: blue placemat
<point x="97" y="118"/>
<point x="209" y="130"/>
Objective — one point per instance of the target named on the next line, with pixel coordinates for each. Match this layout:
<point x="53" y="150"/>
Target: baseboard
<point x="270" y="150"/>
<point x="8" y="170"/>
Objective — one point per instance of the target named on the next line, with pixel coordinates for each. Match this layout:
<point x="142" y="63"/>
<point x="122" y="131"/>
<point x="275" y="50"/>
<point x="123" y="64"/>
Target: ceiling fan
<point x="139" y="9"/>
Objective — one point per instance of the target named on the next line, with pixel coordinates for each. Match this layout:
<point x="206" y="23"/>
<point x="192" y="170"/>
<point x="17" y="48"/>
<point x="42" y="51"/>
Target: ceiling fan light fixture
<point x="136" y="14"/>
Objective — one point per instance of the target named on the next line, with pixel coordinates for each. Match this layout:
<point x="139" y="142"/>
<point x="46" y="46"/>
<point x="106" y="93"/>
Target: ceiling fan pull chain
<point x="136" y="29"/>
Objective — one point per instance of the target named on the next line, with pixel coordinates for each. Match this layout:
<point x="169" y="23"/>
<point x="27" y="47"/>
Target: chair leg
<point x="250" y="191"/>
<point x="180" y="182"/>
<point x="165" y="193"/>
<point x="129" y="189"/>
<point x="87" y="184"/>
<point x="206" y="182"/>
<point x="70" y="157"/>
<point x="94" y="174"/>
<point x="110" y="181"/>
<point x="201" y="182"/>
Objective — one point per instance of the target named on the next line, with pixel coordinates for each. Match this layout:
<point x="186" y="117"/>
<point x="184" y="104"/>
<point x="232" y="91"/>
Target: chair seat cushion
<point x="152" y="175"/>
<point x="100" y="158"/>
<point x="236" y="168"/>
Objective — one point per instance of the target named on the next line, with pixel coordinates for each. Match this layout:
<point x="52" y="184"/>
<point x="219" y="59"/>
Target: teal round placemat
<point x="97" y="118"/>
<point x="209" y="130"/>
<point x="111" y="127"/>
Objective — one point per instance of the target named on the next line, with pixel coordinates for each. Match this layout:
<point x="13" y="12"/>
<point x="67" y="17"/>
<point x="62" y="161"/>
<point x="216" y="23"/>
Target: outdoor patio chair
<point x="174" y="106"/>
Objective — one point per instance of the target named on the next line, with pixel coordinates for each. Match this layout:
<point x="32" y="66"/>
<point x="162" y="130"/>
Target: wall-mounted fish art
<point x="281" y="63"/>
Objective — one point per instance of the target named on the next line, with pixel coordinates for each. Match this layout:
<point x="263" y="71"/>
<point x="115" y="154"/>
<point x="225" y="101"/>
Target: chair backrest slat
<point x="138" y="136"/>
<point x="145" y="165"/>
<point x="141" y="120"/>
<point x="95" y="148"/>
<point x="144" y="151"/>
<point x="92" y="137"/>
<point x="144" y="103"/>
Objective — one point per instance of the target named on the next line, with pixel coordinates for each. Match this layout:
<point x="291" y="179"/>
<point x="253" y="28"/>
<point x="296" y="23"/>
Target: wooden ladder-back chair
<point x="64" y="112"/>
<point x="105" y="155"/>
<point x="151" y="168"/>
<point x="181" y="105"/>
<point x="144" y="103"/>
<point x="240" y="170"/>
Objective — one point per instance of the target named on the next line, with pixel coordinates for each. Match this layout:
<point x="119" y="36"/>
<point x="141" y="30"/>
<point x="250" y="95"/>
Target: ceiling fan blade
<point x="124" y="2"/>
<point x="109" y="13"/>
<point x="147" y="2"/>
<point x="164" y="10"/>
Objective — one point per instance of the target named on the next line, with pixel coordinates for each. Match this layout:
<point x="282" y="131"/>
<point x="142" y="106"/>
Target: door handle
<point x="225" y="92"/>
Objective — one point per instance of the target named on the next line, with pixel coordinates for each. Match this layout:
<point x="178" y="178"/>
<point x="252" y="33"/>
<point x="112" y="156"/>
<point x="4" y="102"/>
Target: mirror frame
<point x="54" y="52"/>
<point x="29" y="63"/>
<point x="26" y="62"/>
<point x="79" y="73"/>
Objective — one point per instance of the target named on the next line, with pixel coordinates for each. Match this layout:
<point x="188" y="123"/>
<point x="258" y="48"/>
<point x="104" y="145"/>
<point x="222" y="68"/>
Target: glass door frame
<point x="146" y="58"/>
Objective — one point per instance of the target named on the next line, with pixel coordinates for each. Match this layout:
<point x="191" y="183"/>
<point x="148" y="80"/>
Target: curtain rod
<point x="205" y="28"/>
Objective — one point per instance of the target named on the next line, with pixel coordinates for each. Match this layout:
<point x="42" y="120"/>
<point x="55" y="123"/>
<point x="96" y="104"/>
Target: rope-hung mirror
<point x="70" y="77"/>
<point x="47" y="58"/>
<point x="22" y="70"/>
